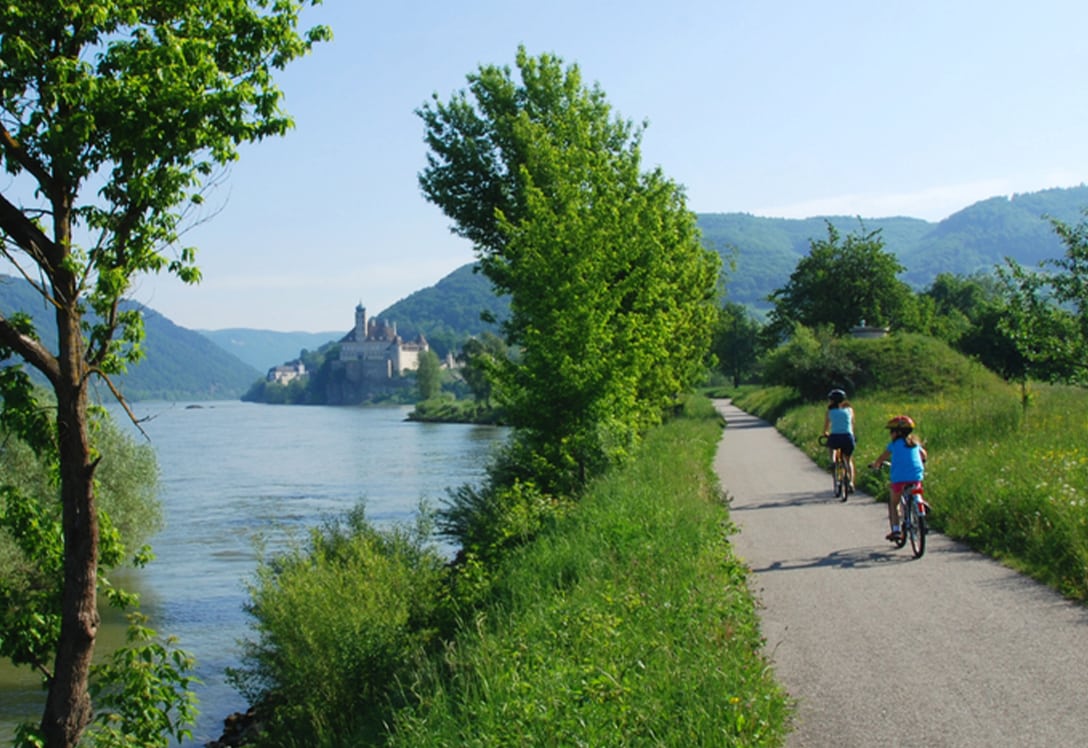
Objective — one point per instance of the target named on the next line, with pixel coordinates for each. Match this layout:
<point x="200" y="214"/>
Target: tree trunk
<point x="68" y="705"/>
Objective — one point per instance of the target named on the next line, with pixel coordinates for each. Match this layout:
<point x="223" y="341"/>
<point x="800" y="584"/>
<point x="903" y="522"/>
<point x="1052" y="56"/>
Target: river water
<point x="233" y="472"/>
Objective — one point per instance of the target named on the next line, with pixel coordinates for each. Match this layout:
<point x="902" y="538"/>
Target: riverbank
<point x="448" y="410"/>
<point x="627" y="620"/>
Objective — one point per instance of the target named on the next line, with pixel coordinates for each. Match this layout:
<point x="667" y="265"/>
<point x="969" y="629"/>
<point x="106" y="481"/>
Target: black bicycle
<point x="840" y="471"/>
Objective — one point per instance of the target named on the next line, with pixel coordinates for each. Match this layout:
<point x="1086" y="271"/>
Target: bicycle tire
<point x="917" y="529"/>
<point x="837" y="476"/>
<point x="847" y="479"/>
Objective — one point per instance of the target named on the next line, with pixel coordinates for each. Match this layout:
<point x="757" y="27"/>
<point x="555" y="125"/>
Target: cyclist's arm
<point x="884" y="456"/>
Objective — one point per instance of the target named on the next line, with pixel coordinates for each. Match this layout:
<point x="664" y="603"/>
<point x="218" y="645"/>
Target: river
<point x="232" y="473"/>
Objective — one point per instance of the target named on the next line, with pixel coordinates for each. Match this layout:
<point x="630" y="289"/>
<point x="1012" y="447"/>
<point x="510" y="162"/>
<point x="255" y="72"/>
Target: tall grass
<point x="629" y="624"/>
<point x="1010" y="480"/>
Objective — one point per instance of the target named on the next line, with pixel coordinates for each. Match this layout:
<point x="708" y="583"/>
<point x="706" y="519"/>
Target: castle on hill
<point x="374" y="352"/>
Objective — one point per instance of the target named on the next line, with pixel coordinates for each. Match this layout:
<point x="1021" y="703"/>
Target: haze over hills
<point x="760" y="254"/>
<point x="180" y="364"/>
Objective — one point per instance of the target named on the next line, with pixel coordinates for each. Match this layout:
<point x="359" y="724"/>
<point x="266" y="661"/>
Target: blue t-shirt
<point x="907" y="462"/>
<point x="842" y="420"/>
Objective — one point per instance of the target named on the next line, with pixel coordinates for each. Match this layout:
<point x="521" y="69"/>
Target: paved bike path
<point x="880" y="649"/>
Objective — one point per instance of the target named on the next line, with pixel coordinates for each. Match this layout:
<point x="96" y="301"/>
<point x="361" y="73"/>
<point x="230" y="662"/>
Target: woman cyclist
<point x="908" y="458"/>
<point x="839" y="430"/>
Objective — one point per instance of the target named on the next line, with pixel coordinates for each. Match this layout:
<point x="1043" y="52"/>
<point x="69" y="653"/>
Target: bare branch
<point x="120" y="398"/>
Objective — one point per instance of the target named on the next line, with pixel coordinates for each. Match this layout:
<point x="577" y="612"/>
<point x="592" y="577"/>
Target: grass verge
<point x="629" y="623"/>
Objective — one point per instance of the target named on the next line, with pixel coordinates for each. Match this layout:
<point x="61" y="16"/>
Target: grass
<point x="630" y="623"/>
<point x="1010" y="481"/>
<point x="625" y="621"/>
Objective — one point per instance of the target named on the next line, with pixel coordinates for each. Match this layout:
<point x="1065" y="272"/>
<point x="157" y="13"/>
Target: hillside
<point x="760" y="253"/>
<point x="179" y="364"/>
<point x="448" y="312"/>
<point x="975" y="239"/>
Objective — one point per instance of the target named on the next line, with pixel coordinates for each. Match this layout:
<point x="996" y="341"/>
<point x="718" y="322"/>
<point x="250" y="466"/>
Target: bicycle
<point x="913" y="517"/>
<point x="840" y="471"/>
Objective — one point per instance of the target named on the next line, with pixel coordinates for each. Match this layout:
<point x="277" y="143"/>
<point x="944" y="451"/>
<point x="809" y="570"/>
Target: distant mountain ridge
<point x="760" y="255"/>
<point x="179" y="364"/>
<point x="263" y="349"/>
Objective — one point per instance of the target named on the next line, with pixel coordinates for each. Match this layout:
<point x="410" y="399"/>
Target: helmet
<point x="901" y="423"/>
<point x="836" y="396"/>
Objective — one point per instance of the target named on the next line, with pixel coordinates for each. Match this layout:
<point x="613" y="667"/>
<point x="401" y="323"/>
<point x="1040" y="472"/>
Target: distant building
<point x="375" y="350"/>
<point x="868" y="331"/>
<point x="288" y="372"/>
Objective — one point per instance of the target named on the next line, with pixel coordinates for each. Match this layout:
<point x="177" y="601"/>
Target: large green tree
<point x="842" y="282"/>
<point x="736" y="342"/>
<point x="1047" y="313"/>
<point x="611" y="291"/>
<point x="114" y="119"/>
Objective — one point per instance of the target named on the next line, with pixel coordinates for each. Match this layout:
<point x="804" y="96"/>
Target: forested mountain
<point x="179" y="364"/>
<point x="760" y="254"/>
<point x="976" y="239"/>
<point x="448" y="312"/>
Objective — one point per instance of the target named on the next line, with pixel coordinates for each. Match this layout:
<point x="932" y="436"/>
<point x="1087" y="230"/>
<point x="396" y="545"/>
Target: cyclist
<point x="839" y="430"/>
<point x="908" y="458"/>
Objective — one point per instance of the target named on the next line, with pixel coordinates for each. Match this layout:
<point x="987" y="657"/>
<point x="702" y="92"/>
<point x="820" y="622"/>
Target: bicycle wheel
<point x="838" y="476"/>
<point x="847" y="479"/>
<point x="917" y="529"/>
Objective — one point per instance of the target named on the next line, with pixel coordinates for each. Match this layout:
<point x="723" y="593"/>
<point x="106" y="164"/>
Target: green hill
<point x="179" y="364"/>
<point x="760" y="254"/>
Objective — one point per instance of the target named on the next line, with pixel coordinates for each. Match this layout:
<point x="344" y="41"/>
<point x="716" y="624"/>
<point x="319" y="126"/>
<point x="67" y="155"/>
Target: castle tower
<point x="360" y="322"/>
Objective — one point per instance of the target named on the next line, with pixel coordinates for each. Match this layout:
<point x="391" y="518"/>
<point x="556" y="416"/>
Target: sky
<point x="782" y="108"/>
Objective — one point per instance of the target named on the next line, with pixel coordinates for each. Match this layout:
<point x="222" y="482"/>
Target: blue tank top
<point x="907" y="462"/>
<point x="842" y="420"/>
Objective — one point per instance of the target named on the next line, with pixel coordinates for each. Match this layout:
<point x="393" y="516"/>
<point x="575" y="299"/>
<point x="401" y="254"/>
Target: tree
<point x="113" y="121"/>
<point x="479" y="357"/>
<point x="611" y="291"/>
<point x="429" y="376"/>
<point x="842" y="283"/>
<point x="1047" y="309"/>
<point x="736" y="341"/>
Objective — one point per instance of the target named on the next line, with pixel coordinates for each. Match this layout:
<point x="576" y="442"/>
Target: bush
<point x="813" y="362"/>
<point x="338" y="621"/>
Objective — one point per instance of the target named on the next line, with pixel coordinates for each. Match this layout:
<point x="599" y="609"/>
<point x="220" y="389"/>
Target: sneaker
<point x="893" y="536"/>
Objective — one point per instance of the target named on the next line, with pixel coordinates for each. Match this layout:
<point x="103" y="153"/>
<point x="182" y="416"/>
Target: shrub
<point x="338" y="621"/>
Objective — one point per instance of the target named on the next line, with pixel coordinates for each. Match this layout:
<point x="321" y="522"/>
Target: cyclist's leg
<point x="850" y="464"/>
<point x="894" y="490"/>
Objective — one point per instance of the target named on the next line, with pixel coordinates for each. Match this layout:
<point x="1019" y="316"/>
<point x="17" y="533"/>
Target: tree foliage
<point x="114" y="119"/>
<point x="736" y="343"/>
<point x="611" y="292"/>
<point x="1047" y="313"/>
<point x="842" y="282"/>
<point x="429" y="375"/>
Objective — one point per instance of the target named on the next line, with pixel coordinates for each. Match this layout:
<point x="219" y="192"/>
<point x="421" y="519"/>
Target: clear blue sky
<point x="789" y="109"/>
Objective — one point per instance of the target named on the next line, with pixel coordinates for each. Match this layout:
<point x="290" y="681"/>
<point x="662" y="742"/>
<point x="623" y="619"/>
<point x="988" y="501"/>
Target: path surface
<point x="880" y="649"/>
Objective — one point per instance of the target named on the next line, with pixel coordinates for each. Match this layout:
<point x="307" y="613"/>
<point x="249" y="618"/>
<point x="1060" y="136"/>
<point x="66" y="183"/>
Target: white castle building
<point x="375" y="347"/>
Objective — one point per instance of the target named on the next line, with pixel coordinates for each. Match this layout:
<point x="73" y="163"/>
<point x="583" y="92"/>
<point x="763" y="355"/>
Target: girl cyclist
<point x="908" y="458"/>
<point x="839" y="430"/>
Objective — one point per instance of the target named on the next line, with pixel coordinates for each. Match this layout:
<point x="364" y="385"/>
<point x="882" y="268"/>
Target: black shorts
<point x="845" y="442"/>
